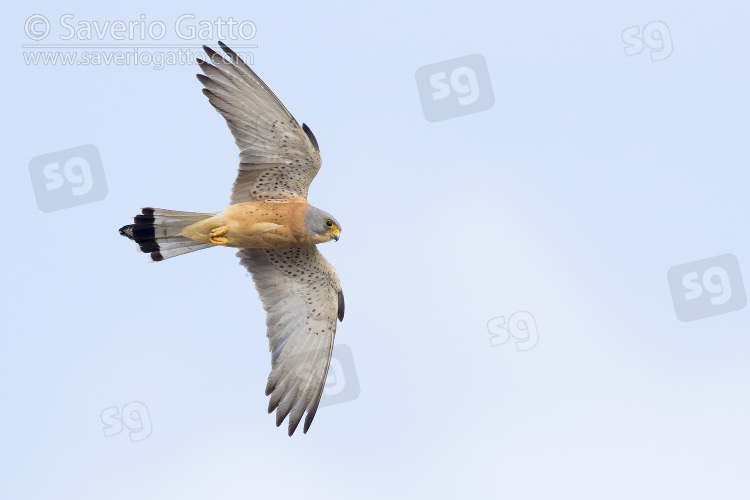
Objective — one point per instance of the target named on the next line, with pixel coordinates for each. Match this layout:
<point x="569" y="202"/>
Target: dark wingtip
<point x="308" y="420"/>
<point x="341" y="305"/>
<point x="203" y="78"/>
<point x="156" y="256"/>
<point x="213" y="56"/>
<point x="311" y="136"/>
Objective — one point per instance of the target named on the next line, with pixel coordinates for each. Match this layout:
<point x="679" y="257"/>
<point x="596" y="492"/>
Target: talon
<point x="215" y="235"/>
<point x="218" y="231"/>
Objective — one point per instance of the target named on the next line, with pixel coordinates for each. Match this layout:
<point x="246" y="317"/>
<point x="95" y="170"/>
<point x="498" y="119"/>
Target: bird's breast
<point x="266" y="224"/>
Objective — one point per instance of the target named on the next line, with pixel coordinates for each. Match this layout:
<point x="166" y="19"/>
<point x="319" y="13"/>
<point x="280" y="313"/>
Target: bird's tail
<point x="158" y="232"/>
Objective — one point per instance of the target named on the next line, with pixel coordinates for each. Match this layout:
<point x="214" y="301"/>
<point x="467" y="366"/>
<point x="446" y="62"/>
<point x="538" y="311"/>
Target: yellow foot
<point x="215" y="235"/>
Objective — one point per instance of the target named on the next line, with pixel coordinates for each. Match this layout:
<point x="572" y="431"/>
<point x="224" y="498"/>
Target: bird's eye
<point x="329" y="223"/>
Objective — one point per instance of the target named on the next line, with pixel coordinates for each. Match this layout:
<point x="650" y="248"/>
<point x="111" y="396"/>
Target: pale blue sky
<point x="593" y="174"/>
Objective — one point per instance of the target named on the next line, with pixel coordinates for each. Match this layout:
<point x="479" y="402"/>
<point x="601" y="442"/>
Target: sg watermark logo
<point x="655" y="35"/>
<point x="521" y="326"/>
<point x="68" y="178"/>
<point x="456" y="87"/>
<point x="342" y="384"/>
<point x="134" y="417"/>
<point x="707" y="287"/>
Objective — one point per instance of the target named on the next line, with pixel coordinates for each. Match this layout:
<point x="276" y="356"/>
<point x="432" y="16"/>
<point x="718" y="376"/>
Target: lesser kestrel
<point x="277" y="230"/>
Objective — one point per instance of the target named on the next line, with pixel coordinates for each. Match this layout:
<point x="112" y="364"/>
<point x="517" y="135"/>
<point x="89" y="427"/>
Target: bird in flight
<point x="277" y="230"/>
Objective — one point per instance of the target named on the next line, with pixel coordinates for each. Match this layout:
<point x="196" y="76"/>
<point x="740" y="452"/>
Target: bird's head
<point x="321" y="226"/>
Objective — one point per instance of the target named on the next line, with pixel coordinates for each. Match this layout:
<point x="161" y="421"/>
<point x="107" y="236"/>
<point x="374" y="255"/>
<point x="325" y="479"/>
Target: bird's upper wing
<point x="302" y="297"/>
<point x="278" y="158"/>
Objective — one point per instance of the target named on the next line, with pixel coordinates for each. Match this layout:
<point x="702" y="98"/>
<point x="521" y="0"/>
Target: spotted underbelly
<point x="260" y="235"/>
<point x="254" y="225"/>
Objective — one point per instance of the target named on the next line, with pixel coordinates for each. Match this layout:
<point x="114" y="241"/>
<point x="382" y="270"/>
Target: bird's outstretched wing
<point x="278" y="158"/>
<point x="302" y="297"/>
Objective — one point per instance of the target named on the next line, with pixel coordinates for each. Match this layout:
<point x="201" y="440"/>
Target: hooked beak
<point x="335" y="234"/>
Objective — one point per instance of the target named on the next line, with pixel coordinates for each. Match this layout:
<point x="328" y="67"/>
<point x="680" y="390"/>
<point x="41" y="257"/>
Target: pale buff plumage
<point x="256" y="224"/>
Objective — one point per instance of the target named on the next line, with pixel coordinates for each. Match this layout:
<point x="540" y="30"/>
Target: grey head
<point x="321" y="226"/>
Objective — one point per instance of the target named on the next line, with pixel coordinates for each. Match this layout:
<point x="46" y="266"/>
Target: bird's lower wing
<point x="302" y="297"/>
